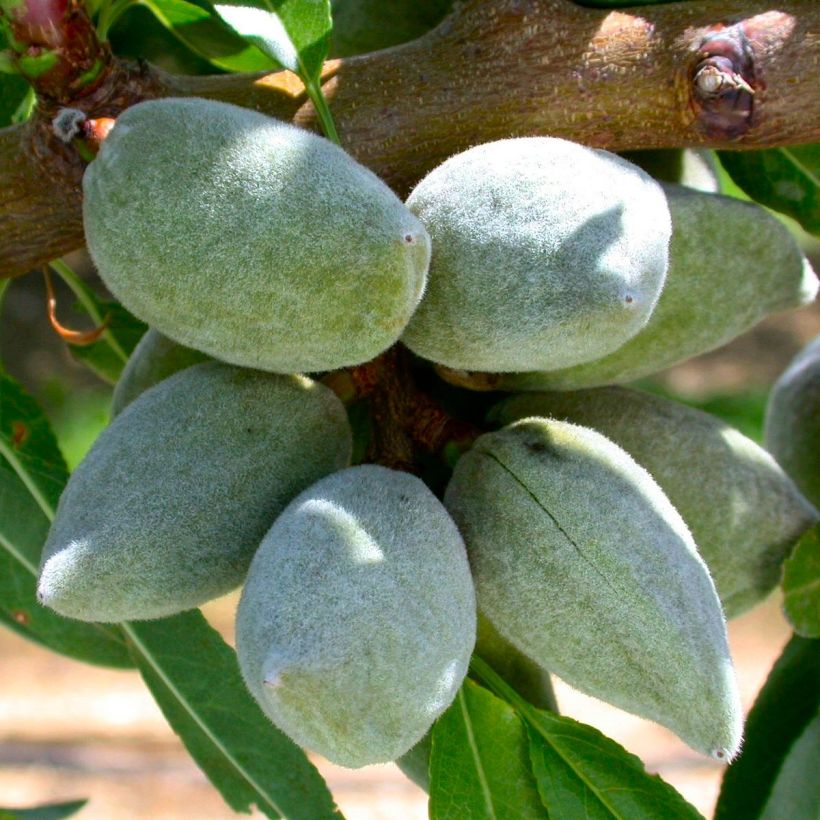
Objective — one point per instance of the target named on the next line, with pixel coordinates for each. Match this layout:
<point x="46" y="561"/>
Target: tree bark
<point x="717" y="73"/>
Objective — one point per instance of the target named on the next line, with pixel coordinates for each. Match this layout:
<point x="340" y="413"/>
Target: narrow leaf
<point x="295" y="33"/>
<point x="787" y="703"/>
<point x="108" y="355"/>
<point x="200" y="29"/>
<point x="194" y="677"/>
<point x="801" y="585"/>
<point x="104" y="359"/>
<point x="49" y="811"/>
<point x="796" y="792"/>
<point x="785" y="179"/>
<point x="32" y="475"/>
<point x="478" y="765"/>
<point x="581" y="772"/>
<point x="13" y="88"/>
<point x="28" y="446"/>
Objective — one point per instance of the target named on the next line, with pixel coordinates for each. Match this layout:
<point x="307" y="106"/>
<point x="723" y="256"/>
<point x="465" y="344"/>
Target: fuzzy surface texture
<point x="357" y="621"/>
<point x="793" y="421"/>
<point x="743" y="511"/>
<point x="582" y="563"/>
<point x="249" y="239"/>
<point x="545" y="254"/>
<point x="155" y="358"/>
<point x="730" y="265"/>
<point x="168" y="507"/>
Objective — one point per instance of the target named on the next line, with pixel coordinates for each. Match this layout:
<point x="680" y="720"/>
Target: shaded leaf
<point x="13" y="88"/>
<point x="294" y="33"/>
<point x="801" y="585"/>
<point x="479" y="766"/>
<point x="32" y="475"/>
<point x="49" y="811"/>
<point x="787" y="703"/>
<point x="582" y="773"/>
<point x="104" y="359"/>
<point x="194" y="677"/>
<point x="796" y="792"/>
<point x="199" y="27"/>
<point x="785" y="179"/>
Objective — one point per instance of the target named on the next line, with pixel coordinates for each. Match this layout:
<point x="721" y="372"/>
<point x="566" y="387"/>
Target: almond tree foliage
<point x="703" y="95"/>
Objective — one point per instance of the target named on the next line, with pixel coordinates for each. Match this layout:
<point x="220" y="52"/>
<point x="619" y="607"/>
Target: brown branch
<point x="643" y="78"/>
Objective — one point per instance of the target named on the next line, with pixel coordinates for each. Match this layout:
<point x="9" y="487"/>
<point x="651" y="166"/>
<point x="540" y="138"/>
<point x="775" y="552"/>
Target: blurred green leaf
<point x="479" y="767"/>
<point x="582" y="773"/>
<point x="787" y="703"/>
<point x="801" y="585"/>
<point x="13" y="92"/>
<point x="32" y="476"/>
<point x="784" y="179"/>
<point x="49" y="811"/>
<point x="194" y="677"/>
<point x="362" y="26"/>
<point x="199" y="27"/>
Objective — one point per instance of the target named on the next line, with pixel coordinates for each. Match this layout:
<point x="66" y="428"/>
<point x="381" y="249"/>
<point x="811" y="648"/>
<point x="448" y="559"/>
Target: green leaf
<point x="200" y="29"/>
<point x="478" y="765"/>
<point x="108" y="355"/>
<point x="13" y="91"/>
<point x="796" y="792"/>
<point x="49" y="811"/>
<point x="785" y="179"/>
<point x="104" y="359"/>
<point x="294" y="33"/>
<point x="787" y="703"/>
<point x="582" y="773"/>
<point x="194" y="677"/>
<point x="801" y="585"/>
<point x="32" y="476"/>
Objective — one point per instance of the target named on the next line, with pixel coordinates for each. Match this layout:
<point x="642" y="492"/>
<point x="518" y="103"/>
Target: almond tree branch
<point x="719" y="73"/>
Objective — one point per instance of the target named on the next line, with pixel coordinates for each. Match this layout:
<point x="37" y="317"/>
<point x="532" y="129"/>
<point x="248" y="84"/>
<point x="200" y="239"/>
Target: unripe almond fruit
<point x="357" y="620"/>
<point x="581" y="562"/>
<point x="249" y="239"/>
<point x="168" y="507"/>
<point x="744" y="512"/>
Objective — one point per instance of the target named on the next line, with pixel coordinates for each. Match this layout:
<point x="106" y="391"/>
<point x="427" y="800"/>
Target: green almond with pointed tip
<point x="731" y="264"/>
<point x="357" y="620"/>
<point x="169" y="506"/>
<point x="744" y="512"/>
<point x="583" y="564"/>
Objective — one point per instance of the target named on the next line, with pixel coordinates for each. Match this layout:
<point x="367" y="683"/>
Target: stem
<point x="317" y="97"/>
<point x="498" y="686"/>
<point x="88" y="301"/>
